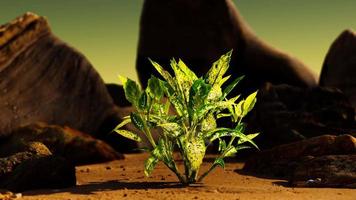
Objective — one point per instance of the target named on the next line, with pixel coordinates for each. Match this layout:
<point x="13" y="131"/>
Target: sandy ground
<point x="124" y="179"/>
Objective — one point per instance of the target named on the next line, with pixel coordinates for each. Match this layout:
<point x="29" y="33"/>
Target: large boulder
<point x="285" y="114"/>
<point x="340" y="64"/>
<point x="200" y="31"/>
<point x="75" y="146"/>
<point x="44" y="79"/>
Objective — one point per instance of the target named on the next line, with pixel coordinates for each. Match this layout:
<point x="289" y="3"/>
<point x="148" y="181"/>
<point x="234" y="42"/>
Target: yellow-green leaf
<point x="150" y="164"/>
<point x="129" y="135"/>
<point x="123" y="123"/>
<point x="250" y="102"/>
<point x="131" y="89"/>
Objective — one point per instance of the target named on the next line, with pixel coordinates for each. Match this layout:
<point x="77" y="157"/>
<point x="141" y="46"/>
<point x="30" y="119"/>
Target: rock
<point x="281" y="161"/>
<point x="39" y="173"/>
<point x="75" y="146"/>
<point x="7" y="195"/>
<point x="285" y="114"/>
<point x="35" y="168"/>
<point x="8" y="164"/>
<point x="205" y="31"/>
<point x="340" y="64"/>
<point x="44" y="79"/>
<point x="326" y="171"/>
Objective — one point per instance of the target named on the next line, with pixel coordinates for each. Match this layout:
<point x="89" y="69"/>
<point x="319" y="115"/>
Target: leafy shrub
<point x="197" y="103"/>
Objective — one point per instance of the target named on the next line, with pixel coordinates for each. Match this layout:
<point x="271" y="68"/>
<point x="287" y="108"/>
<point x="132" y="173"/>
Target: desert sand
<point x="124" y="179"/>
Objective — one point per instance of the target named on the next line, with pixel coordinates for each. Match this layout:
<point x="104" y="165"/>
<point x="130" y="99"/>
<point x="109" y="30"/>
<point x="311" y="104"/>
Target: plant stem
<point x="173" y="168"/>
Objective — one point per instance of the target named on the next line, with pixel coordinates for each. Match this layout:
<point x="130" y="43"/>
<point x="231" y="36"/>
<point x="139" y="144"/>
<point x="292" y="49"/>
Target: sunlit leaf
<point x="123" y="123"/>
<point x="222" y="115"/>
<point x="197" y="95"/>
<point x="131" y="89"/>
<point x="208" y="123"/>
<point x="219" y="68"/>
<point x="222" y="145"/>
<point x="150" y="164"/>
<point x="163" y="73"/>
<point x="231" y="86"/>
<point x="230" y="152"/>
<point x="194" y="150"/>
<point x="250" y="136"/>
<point x="250" y="102"/>
<point x="129" y="135"/>
<point x="215" y="93"/>
<point x="154" y="88"/>
<point x="173" y="129"/>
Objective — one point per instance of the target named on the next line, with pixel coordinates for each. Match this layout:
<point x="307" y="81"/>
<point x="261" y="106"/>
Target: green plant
<point x="197" y="103"/>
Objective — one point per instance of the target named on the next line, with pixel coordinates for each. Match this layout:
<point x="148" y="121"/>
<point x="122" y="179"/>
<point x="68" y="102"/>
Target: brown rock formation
<point x="75" y="146"/>
<point x="326" y="171"/>
<point x="339" y="68"/>
<point x="325" y="161"/>
<point x="285" y="114"/>
<point x="44" y="79"/>
<point x="201" y="31"/>
<point x="35" y="168"/>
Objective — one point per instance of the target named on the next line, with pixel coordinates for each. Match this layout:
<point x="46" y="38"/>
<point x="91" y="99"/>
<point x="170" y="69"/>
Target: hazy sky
<point x="106" y="31"/>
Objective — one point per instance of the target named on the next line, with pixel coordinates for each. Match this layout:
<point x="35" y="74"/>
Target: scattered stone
<point x="340" y="64"/>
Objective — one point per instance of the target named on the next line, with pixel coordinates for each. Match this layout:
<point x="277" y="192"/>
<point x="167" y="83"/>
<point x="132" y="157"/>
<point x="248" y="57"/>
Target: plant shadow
<point x="93" y="187"/>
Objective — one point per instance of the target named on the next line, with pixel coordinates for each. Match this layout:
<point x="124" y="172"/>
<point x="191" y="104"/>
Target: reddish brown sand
<point x="124" y="179"/>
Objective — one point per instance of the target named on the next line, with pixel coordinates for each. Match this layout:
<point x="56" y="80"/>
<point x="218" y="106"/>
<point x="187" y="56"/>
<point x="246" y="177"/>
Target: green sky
<point x="106" y="31"/>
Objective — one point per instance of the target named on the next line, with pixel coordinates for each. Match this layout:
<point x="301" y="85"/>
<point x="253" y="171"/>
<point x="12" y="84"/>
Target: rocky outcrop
<point x="35" y="168"/>
<point x="44" y="79"/>
<point x="285" y="114"/>
<point x="200" y="31"/>
<point x="325" y="161"/>
<point x="326" y="171"/>
<point x="340" y="64"/>
<point x="75" y="146"/>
